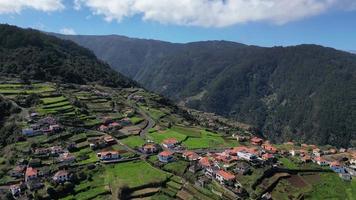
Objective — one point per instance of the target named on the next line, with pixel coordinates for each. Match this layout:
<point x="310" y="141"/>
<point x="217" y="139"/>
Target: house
<point x="61" y="176"/>
<point x="225" y="177"/>
<point x="242" y="168"/>
<point x="207" y="165"/>
<point x="170" y="143"/>
<point x="56" y="150"/>
<point x="103" y="128"/>
<point x="42" y="151"/>
<point x="47" y="121"/>
<point x="267" y="157"/>
<point x="317" y="152"/>
<point x="31" y="174"/>
<point x="66" y="158"/>
<point x="269" y="148"/>
<point x="294" y="152"/>
<point x="305" y="158"/>
<point x="149" y="148"/>
<point x="30" y="132"/>
<point x="194" y="166"/>
<point x="18" y="171"/>
<point x="256" y="141"/>
<point x="353" y="161"/>
<point x="342" y="150"/>
<point x="109" y="140"/>
<point x="190" y="155"/>
<point x="55" y="128"/>
<point x="246" y="156"/>
<point x="351" y="170"/>
<point x="165" y="156"/>
<point x="125" y="122"/>
<point x="202" y="181"/>
<point x="34" y="115"/>
<point x="108" y="155"/>
<point x="15" y="190"/>
<point x="345" y="176"/>
<point x="336" y="167"/>
<point x="114" y="125"/>
<point x="320" y="161"/>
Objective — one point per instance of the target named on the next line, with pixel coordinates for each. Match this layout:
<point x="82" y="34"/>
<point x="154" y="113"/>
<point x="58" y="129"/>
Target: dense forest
<point x="35" y="55"/>
<point x="306" y="92"/>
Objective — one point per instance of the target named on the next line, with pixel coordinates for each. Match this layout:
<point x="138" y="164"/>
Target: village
<point x="237" y="166"/>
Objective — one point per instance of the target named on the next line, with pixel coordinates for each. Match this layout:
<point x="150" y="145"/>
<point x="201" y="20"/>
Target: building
<point x="294" y="152"/>
<point x="352" y="161"/>
<point x="246" y="156"/>
<point x="30" y="132"/>
<point x="149" y="148"/>
<point x="18" y="171"/>
<point x="108" y="155"/>
<point x="56" y="150"/>
<point x="66" y="158"/>
<point x="170" y="143"/>
<point x="109" y="140"/>
<point x="225" y="177"/>
<point x="321" y="161"/>
<point x="103" y="128"/>
<point x="242" y="168"/>
<point x="336" y="167"/>
<point x="305" y="158"/>
<point x="165" y="156"/>
<point x="317" y="152"/>
<point x="15" y="190"/>
<point x="61" y="176"/>
<point x="190" y="155"/>
<point x="268" y="157"/>
<point x="269" y="148"/>
<point x="345" y="176"/>
<point x="31" y="174"/>
<point x="256" y="141"/>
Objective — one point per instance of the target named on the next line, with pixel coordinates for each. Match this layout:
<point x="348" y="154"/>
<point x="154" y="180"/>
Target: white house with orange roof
<point x="170" y="143"/>
<point x="61" y="176"/>
<point x="225" y="177"/>
<point x="320" y="161"/>
<point x="108" y="155"/>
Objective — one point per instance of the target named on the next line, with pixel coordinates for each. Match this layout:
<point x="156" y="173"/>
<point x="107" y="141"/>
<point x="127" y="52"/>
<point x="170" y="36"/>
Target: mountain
<point x="306" y="93"/>
<point x="35" y="55"/>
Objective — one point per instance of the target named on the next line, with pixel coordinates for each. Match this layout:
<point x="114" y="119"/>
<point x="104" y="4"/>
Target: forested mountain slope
<point x="35" y="55"/>
<point x="305" y="92"/>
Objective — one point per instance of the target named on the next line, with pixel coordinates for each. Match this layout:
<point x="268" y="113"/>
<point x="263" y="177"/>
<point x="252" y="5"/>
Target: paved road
<point x="150" y="122"/>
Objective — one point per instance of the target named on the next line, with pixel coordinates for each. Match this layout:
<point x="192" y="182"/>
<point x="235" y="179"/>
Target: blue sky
<point x="317" y="21"/>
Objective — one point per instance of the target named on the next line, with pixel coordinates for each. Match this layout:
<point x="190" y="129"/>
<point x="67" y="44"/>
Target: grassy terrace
<point x="133" y="174"/>
<point x="37" y="88"/>
<point x="133" y="141"/>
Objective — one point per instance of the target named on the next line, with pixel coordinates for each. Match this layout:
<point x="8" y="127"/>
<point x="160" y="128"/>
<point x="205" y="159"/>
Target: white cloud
<point x="213" y="13"/>
<point x="67" y="31"/>
<point x="16" y="6"/>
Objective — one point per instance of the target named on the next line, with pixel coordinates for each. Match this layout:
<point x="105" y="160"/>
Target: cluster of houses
<point x="109" y="124"/>
<point x="101" y="142"/>
<point x="38" y="126"/>
<point x="31" y="174"/>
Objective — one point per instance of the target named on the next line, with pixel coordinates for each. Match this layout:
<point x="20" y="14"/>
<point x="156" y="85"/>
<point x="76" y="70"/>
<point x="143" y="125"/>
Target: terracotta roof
<point x="226" y="175"/>
<point x="114" y="124"/>
<point x="204" y="161"/>
<point x="31" y="171"/>
<point x="170" y="141"/>
<point x="320" y="159"/>
<point x="267" y="156"/>
<point x="335" y="164"/>
<point x="165" y="153"/>
<point x="256" y="139"/>
<point x="149" y="146"/>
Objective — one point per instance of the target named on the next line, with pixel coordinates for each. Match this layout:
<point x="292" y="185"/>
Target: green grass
<point x="136" y="120"/>
<point x="287" y="163"/>
<point x="160" y="136"/>
<point x="133" y="141"/>
<point x="133" y="174"/>
<point x="208" y="140"/>
<point x="331" y="186"/>
<point x="52" y="100"/>
<point x="191" y="132"/>
<point x="26" y="89"/>
<point x="177" y="167"/>
<point x="154" y="113"/>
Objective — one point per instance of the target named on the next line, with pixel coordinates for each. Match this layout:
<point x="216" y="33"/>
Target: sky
<point x="256" y="22"/>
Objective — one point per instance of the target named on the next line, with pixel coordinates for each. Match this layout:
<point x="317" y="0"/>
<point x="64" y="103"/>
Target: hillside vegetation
<point x="35" y="55"/>
<point x="305" y="92"/>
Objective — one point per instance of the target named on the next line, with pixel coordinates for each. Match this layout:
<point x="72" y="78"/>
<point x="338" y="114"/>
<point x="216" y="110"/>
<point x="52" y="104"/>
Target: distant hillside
<point x="35" y="55"/>
<point x="306" y="92"/>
